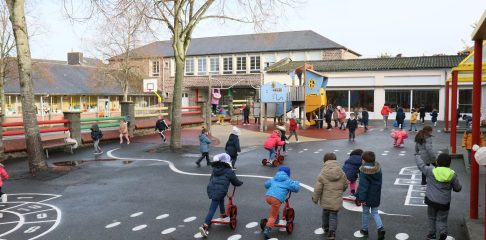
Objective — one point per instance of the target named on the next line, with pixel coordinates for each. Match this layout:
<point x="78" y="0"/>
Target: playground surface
<point x="144" y="191"/>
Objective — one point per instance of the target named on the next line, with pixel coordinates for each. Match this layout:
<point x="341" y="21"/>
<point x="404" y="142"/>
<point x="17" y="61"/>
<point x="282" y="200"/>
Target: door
<point x="185" y="101"/>
<point x="103" y="107"/>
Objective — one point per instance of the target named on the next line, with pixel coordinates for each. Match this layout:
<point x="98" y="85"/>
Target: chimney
<point x="75" y="58"/>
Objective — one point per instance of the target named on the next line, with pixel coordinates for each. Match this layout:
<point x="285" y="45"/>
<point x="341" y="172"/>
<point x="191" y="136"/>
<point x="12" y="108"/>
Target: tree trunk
<point x="32" y="136"/>
<point x="176" y="127"/>
<point x="2" y="105"/>
<point x="125" y="88"/>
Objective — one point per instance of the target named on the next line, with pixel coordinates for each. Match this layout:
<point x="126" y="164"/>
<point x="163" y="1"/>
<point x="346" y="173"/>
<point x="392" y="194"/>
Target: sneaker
<point x="353" y="192"/>
<point x="287" y="142"/>
<point x="121" y="142"/>
<point x="198" y="164"/>
<point x="363" y="232"/>
<point x="4" y="198"/>
<point x="204" y="230"/>
<point x="234" y="169"/>
<point x="381" y="234"/>
<point x="443" y="236"/>
<point x="266" y="232"/>
<point x="431" y="236"/>
<point x="165" y="140"/>
<point x="225" y="219"/>
<point x="128" y="143"/>
<point x="331" y="235"/>
<point x="297" y="141"/>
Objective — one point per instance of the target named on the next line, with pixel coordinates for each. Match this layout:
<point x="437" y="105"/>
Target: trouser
<point x="336" y="123"/>
<point x="162" y="135"/>
<point x="424" y="178"/>
<point x="365" y="123"/>
<point x="469" y="156"/>
<point x="352" y="186"/>
<point x="124" y="135"/>
<point x="422" y="119"/>
<point x="398" y="141"/>
<point x="246" y="119"/>
<point x="233" y="161"/>
<point x="275" y="207"/>
<point x="204" y="155"/>
<point x="212" y="209"/>
<point x="214" y="108"/>
<point x="352" y="133"/>
<point x="272" y="153"/>
<point x="96" y="144"/>
<point x="293" y="133"/>
<point x="437" y="220"/>
<point x="400" y="124"/>
<point x="413" y="125"/>
<point x="366" y="217"/>
<point x="385" y="119"/>
<point x="329" y="219"/>
<point x="329" y="126"/>
<point x="341" y="125"/>
<point x="283" y="146"/>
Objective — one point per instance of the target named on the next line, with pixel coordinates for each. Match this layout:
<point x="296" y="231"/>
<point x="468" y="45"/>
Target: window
<point x="214" y="65"/>
<point x="337" y="98"/>
<point x="228" y="65"/>
<point x="362" y="99"/>
<point x="268" y="64"/>
<point x="398" y="98"/>
<point x="155" y="69"/>
<point x="255" y="64"/>
<point x="201" y="66"/>
<point x="190" y="66"/>
<point x="428" y="98"/>
<point x="240" y="64"/>
<point x="465" y="100"/>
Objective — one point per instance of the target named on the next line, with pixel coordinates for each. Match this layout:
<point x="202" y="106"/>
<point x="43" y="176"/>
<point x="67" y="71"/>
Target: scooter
<point x="288" y="214"/>
<point x="278" y="160"/>
<point x="231" y="211"/>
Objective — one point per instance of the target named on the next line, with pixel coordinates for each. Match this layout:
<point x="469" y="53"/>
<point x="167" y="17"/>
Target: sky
<point x="369" y="27"/>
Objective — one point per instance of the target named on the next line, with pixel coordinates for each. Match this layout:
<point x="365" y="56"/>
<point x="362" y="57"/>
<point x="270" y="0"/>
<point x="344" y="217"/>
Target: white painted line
<point x="402" y="236"/>
<point x="320" y="150"/>
<point x="384" y="154"/>
<point x="19" y="224"/>
<point x="53" y="196"/>
<point x="189" y="219"/>
<point x="32" y="229"/>
<point x="136" y="214"/>
<point x="316" y="152"/>
<point x="352" y="207"/>
<point x="4" y="223"/>
<point x="14" y="207"/>
<point x="301" y="151"/>
<point x="251" y="225"/>
<point x="45" y="210"/>
<point x="336" y="150"/>
<point x="319" y="231"/>
<point x="162" y="216"/>
<point x="168" y="230"/>
<point x="24" y="197"/>
<point x="235" y="237"/>
<point x="401" y="154"/>
<point x="111" y="225"/>
<point x="139" y="227"/>
<point x="290" y="149"/>
<point x="305" y="149"/>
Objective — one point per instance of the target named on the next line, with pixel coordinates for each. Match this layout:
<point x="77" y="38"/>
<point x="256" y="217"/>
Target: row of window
<point x="214" y="65"/>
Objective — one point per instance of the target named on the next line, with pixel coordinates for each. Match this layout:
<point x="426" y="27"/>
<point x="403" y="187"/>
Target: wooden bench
<point x="56" y="141"/>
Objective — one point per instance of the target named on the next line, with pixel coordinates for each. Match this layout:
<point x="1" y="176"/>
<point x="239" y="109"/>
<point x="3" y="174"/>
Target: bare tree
<point x="7" y="45"/>
<point x="181" y="18"/>
<point x="32" y="135"/>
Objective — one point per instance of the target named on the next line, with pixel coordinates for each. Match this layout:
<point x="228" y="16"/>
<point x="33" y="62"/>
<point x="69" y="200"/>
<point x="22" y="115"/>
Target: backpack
<point x="342" y="115"/>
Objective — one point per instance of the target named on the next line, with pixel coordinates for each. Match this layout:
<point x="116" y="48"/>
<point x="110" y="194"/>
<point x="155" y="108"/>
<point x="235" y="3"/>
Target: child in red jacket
<point x="293" y="129"/>
<point x="272" y="142"/>
<point x="3" y="177"/>
<point x="399" y="137"/>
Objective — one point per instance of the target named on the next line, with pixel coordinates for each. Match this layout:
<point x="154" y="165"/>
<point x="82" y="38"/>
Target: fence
<point x="106" y="122"/>
<point x="152" y="111"/>
<point x="42" y="130"/>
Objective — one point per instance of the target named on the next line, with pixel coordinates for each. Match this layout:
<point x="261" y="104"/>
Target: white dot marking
<point x="136" y="214"/>
<point x="401" y="154"/>
<point x="319" y="231"/>
<point x="162" y="216"/>
<point x="305" y="149"/>
<point x="235" y="237"/>
<point x="139" y="227"/>
<point x="251" y="225"/>
<point x="402" y="236"/>
<point x="168" y="230"/>
<point x="316" y="152"/>
<point x="384" y="154"/>
<point x="189" y="219"/>
<point x="112" y="225"/>
<point x="336" y="150"/>
<point x="386" y="151"/>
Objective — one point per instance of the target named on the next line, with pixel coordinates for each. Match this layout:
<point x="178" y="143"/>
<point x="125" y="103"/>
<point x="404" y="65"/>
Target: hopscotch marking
<point x="416" y="192"/>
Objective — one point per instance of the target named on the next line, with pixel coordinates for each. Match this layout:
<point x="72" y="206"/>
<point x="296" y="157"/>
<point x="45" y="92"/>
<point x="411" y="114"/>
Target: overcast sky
<point x="369" y="27"/>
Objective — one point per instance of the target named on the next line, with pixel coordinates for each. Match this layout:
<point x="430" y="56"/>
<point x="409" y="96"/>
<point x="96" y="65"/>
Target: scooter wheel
<point x="275" y="163"/>
<point x="281" y="159"/>
<point x="232" y="223"/>
<point x="264" y="162"/>
<point x="289" y="227"/>
<point x="290" y="215"/>
<point x="263" y="223"/>
<point x="233" y="211"/>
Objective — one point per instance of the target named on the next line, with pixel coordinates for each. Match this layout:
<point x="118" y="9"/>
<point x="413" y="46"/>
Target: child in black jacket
<point x="351" y="125"/>
<point x="96" y="135"/>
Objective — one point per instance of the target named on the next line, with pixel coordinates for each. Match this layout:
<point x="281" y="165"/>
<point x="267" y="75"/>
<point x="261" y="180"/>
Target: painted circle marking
<point x="198" y="235"/>
<point x="316" y="152"/>
<point x="386" y="151"/>
<point x="251" y="225"/>
<point x="319" y="231"/>
<point x="111" y="225"/>
<point x="168" y="230"/>
<point x="136" y="214"/>
<point x="402" y="236"/>
<point x="336" y="150"/>
<point x="162" y="216"/>
<point x="401" y="154"/>
<point x="290" y="149"/>
<point x="384" y="154"/>
<point x="305" y="149"/>
<point x="235" y="237"/>
<point x="189" y="219"/>
<point x="139" y="227"/>
<point x="358" y="234"/>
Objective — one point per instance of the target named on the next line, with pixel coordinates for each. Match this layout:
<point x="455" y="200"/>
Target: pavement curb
<point x="474" y="228"/>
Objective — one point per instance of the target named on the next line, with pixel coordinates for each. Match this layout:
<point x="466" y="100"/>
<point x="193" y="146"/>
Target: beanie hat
<point x="222" y="157"/>
<point x="285" y="169"/>
<point x="444" y="160"/>
<point x="236" y="131"/>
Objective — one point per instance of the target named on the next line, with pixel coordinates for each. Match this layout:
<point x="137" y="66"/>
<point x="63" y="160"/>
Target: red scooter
<point x="288" y="215"/>
<point x="278" y="160"/>
<point x="231" y="211"/>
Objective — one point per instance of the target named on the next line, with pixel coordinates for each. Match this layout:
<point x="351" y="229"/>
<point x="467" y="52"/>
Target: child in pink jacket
<point x="399" y="137"/>
<point x="273" y="141"/>
<point x="3" y="177"/>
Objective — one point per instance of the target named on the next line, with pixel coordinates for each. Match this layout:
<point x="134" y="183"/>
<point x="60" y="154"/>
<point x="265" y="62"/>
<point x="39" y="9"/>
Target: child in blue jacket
<point x="278" y="189"/>
<point x="204" y="142"/>
<point x="351" y="168"/>
<point x="217" y="188"/>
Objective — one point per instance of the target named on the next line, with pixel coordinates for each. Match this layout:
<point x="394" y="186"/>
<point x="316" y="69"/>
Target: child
<point x="351" y="168"/>
<point x="366" y="118"/>
<point x="283" y="137"/>
<point x="468" y="120"/>
<point x="204" y="142"/>
<point x="3" y="177"/>
<point x="400" y="118"/>
<point x="329" y="188"/>
<point x="123" y="129"/>
<point x="369" y="193"/>
<point x="352" y="124"/>
<point x="278" y="189"/>
<point x="467" y="143"/>
<point x="293" y="129"/>
<point x="221" y="115"/>
<point x="423" y="146"/>
<point x="96" y="135"/>
<point x="273" y="141"/>
<point x="399" y="137"/>
<point x="232" y="147"/>
<point x="246" y="115"/>
<point x="434" y="116"/>
<point x="342" y="118"/>
<point x="441" y="180"/>
<point x="385" y="112"/>
<point x="161" y="126"/>
<point x="422" y="114"/>
<point x="335" y="116"/>
<point x="413" y="120"/>
<point x="217" y="188"/>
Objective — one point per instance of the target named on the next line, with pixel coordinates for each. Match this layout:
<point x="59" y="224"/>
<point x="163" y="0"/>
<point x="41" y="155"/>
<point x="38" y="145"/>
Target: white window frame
<point x="241" y="65"/>
<point x="228" y="68"/>
<point x="255" y="68"/>
<point x="155" y="68"/>
<point x="211" y="65"/>
<point x="189" y="60"/>
<point x="202" y="62"/>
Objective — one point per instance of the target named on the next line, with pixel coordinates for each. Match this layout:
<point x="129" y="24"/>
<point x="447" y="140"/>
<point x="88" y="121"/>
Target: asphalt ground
<point x="142" y="197"/>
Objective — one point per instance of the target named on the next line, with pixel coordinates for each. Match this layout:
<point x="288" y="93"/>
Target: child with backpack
<point x="413" y="120"/>
<point x="441" y="180"/>
<point x="3" y="177"/>
<point x="273" y="141"/>
<point x="351" y="169"/>
<point x="283" y="137"/>
<point x="278" y="189"/>
<point x="96" y="135"/>
<point x="204" y="142"/>
<point x="434" y="116"/>
<point x="217" y="188"/>
<point x="293" y="129"/>
<point x="351" y="125"/>
<point x="328" y="189"/>
<point x="232" y="147"/>
<point x="369" y="193"/>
